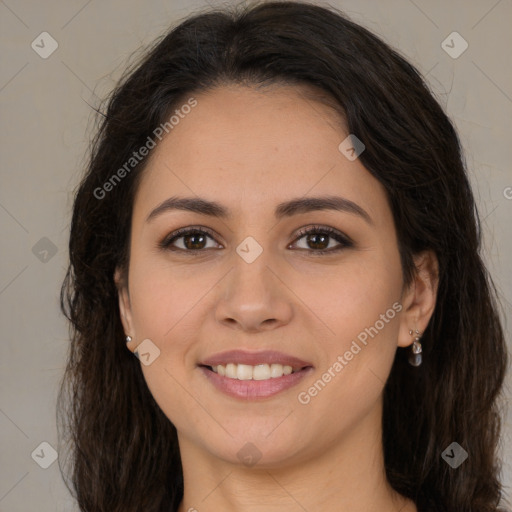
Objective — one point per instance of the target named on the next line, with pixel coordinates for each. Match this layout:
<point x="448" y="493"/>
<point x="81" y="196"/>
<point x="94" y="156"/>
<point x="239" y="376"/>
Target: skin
<point x="249" y="150"/>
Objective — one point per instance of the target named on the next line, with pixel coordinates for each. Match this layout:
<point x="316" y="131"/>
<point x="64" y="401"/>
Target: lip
<point x="255" y="358"/>
<point x="254" y="389"/>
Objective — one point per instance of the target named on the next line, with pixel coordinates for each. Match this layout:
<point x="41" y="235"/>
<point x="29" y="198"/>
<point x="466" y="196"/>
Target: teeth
<point x="244" y="372"/>
<point x="231" y="371"/>
<point x="248" y="372"/>
<point x="262" y="372"/>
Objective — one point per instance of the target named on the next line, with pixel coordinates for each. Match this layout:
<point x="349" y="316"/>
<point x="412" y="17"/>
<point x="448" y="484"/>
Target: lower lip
<point x="254" y="389"/>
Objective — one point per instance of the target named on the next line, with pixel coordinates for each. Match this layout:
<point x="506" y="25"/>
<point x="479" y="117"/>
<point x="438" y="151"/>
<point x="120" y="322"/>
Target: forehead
<point x="248" y="148"/>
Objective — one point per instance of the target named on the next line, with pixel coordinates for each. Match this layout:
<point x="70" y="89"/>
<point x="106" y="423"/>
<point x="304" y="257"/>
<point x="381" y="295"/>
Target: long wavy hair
<point x="122" y="453"/>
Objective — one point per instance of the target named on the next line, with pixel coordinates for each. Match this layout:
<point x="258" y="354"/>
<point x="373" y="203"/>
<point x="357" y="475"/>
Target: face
<point x="313" y="287"/>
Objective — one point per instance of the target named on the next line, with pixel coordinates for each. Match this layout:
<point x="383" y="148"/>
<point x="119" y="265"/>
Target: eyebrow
<point x="285" y="209"/>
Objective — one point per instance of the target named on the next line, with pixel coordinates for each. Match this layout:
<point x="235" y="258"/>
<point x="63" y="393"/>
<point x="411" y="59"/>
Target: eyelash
<point x="344" y="240"/>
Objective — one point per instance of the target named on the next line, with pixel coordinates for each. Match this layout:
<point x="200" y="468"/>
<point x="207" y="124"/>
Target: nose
<point x="254" y="298"/>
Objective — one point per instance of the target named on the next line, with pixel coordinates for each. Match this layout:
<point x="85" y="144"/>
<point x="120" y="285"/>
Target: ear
<point x="121" y="282"/>
<point x="419" y="299"/>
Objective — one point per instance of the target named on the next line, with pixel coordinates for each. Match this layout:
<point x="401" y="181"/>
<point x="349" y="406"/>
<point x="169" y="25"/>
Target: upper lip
<point x="255" y="358"/>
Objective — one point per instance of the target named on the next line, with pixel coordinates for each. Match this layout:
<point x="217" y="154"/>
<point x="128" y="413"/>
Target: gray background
<point x="46" y="124"/>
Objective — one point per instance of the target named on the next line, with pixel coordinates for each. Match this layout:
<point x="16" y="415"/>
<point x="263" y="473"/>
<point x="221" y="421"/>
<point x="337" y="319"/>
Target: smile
<point x="251" y="375"/>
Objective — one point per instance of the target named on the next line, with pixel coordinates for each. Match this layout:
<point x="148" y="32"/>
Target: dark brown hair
<point x="124" y="454"/>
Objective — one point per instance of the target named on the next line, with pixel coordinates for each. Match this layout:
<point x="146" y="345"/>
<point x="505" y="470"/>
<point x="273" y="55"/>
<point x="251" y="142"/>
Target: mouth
<point x="252" y="375"/>
<point x="262" y="365"/>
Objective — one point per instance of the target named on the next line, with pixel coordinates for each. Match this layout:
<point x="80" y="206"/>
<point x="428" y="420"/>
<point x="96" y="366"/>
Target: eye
<point x="318" y="239"/>
<point x="194" y="240"/>
<point x="191" y="239"/>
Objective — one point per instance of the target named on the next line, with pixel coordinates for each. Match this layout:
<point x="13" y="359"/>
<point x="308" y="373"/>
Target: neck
<point x="347" y="476"/>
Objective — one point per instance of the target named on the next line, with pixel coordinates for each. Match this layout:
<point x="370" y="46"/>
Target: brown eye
<point x="188" y="240"/>
<point x="318" y="240"/>
<point x="194" y="241"/>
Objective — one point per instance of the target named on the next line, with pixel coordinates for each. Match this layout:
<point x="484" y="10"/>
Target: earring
<point x="415" y="357"/>
<point x="128" y="339"/>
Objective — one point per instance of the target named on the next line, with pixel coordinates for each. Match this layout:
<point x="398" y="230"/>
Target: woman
<point x="277" y="221"/>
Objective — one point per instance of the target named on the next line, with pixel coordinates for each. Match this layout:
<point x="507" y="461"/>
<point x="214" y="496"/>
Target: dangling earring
<point x="128" y="339"/>
<point x="415" y="357"/>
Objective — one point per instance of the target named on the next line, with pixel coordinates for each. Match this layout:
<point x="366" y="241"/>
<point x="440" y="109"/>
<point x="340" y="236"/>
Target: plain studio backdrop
<point x="47" y="91"/>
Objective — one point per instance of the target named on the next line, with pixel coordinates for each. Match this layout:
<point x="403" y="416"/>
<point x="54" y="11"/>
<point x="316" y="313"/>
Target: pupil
<point x="323" y="237"/>
<point x="190" y="237"/>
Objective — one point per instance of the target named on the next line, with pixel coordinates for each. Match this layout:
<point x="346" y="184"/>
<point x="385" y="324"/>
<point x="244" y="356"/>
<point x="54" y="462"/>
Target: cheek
<point x="354" y="295"/>
<point x="162" y="303"/>
<point x="362" y="309"/>
<point x="161" y="295"/>
<point x="359" y="306"/>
